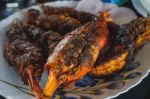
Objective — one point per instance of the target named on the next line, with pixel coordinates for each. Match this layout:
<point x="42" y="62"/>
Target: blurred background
<point x="7" y="7"/>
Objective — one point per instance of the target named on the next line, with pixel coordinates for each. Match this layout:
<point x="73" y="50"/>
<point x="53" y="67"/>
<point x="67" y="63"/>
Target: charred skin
<point x="111" y="66"/>
<point x="60" y="23"/>
<point x="137" y="29"/>
<point x="137" y="32"/>
<point x="46" y="40"/>
<point x="20" y="52"/>
<point x="76" y="54"/>
<point x="33" y="17"/>
<point x="83" y="17"/>
<point x="141" y="39"/>
<point x="112" y="59"/>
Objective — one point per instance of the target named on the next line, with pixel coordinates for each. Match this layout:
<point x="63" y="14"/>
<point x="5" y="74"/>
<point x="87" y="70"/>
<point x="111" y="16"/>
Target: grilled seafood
<point x="83" y="17"/>
<point x="27" y="57"/>
<point x="76" y="54"/>
<point x="98" y="46"/>
<point x="46" y="40"/>
<point x="129" y="38"/>
<point x="58" y="23"/>
<point x="30" y="57"/>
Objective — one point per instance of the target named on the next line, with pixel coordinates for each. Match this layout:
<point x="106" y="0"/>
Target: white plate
<point x="140" y="8"/>
<point x="9" y="74"/>
<point x="146" y="4"/>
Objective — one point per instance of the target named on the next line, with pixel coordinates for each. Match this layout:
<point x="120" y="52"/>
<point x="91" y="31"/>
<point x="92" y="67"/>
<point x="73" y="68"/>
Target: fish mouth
<point x="53" y="81"/>
<point x="51" y="85"/>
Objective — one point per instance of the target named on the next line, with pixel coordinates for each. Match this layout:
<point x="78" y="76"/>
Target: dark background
<point x="142" y="91"/>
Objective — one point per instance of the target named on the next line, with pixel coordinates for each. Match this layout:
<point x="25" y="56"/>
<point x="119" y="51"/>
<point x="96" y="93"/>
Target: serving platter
<point x="11" y="86"/>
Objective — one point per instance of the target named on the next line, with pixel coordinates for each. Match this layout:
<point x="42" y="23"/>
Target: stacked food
<point x="70" y="44"/>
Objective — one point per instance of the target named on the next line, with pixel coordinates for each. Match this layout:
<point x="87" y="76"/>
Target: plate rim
<point x="144" y="5"/>
<point x="140" y="8"/>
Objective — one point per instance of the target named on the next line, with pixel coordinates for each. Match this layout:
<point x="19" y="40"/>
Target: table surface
<point x="142" y="91"/>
